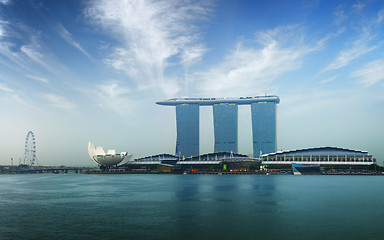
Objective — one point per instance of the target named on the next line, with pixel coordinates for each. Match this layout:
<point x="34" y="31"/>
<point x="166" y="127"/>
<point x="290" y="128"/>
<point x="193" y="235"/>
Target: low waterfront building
<point x="321" y="155"/>
<point x="220" y="161"/>
<point x="163" y="158"/>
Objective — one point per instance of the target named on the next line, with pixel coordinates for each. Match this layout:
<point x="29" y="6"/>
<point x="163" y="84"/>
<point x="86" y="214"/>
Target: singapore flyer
<point x="30" y="150"/>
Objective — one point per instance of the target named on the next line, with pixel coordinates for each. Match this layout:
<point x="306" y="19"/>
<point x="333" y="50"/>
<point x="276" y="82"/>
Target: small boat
<point x="310" y="169"/>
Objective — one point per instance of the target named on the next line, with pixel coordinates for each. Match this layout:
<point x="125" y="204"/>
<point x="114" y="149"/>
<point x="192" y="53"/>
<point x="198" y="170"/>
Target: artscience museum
<point x="111" y="158"/>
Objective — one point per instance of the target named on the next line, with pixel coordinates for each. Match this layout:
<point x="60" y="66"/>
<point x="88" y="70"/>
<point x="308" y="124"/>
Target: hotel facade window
<point x="225" y="127"/>
<point x="187" y="121"/>
<point x="263" y="128"/>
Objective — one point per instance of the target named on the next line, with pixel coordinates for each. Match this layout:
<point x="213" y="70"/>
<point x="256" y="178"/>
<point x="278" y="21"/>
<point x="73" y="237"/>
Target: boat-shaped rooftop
<point x="213" y="101"/>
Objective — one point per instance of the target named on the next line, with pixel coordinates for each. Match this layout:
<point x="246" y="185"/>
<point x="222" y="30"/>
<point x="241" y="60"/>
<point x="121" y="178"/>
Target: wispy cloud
<point x="329" y="79"/>
<point x="16" y="98"/>
<point x="5" y="88"/>
<point x="192" y="54"/>
<point x="340" y="15"/>
<point x="371" y="73"/>
<point x="12" y="96"/>
<point x="112" y="95"/>
<point x="39" y="79"/>
<point x="252" y="69"/>
<point x="15" y="54"/>
<point x="311" y="3"/>
<point x="113" y="89"/>
<point x="58" y="101"/>
<point x="67" y="36"/>
<point x="359" y="47"/>
<point x="23" y="52"/>
<point x="380" y="16"/>
<point x="151" y="33"/>
<point x="5" y="2"/>
<point x="322" y="42"/>
<point x="358" y="6"/>
<point x="2" y="30"/>
<point x="33" y="52"/>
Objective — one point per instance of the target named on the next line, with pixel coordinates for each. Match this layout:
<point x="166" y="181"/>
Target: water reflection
<point x="228" y="204"/>
<point x="190" y="207"/>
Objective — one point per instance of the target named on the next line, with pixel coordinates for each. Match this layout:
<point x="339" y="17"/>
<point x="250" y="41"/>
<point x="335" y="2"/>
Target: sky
<point x="76" y="71"/>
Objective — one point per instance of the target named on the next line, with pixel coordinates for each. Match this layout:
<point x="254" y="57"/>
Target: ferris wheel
<point x="30" y="149"/>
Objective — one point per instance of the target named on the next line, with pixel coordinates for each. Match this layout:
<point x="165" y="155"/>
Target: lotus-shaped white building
<point x="110" y="158"/>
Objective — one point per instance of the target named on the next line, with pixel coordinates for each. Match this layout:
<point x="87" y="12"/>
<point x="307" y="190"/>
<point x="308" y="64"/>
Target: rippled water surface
<point x="75" y="206"/>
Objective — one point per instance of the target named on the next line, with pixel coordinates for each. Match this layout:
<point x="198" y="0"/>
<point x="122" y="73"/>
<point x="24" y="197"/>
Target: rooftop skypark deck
<point x="213" y="101"/>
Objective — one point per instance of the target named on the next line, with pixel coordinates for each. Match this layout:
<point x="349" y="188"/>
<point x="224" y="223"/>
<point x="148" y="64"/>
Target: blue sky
<point x="79" y="71"/>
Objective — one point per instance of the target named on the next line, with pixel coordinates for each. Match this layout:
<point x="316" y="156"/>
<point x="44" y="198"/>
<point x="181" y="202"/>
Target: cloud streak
<point x="380" y="16"/>
<point x="34" y="53"/>
<point x="358" y="6"/>
<point x="39" y="79"/>
<point x="359" y="47"/>
<point x="113" y="95"/>
<point x="252" y="69"/>
<point x="329" y="79"/>
<point x="12" y="97"/>
<point x="68" y="37"/>
<point x="5" y="2"/>
<point x="5" y="88"/>
<point x="58" y="101"/>
<point x="371" y="73"/>
<point x="2" y="30"/>
<point x="151" y="33"/>
<point x="340" y="15"/>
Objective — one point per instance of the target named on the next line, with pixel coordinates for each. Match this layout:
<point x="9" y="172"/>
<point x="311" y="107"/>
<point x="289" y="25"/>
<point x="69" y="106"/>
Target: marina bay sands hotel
<point x="225" y="118"/>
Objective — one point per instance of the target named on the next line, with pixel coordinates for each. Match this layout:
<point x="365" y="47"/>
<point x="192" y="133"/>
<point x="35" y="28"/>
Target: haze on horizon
<point x="78" y="71"/>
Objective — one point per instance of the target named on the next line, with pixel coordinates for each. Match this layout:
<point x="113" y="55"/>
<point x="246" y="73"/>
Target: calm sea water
<point x="74" y="206"/>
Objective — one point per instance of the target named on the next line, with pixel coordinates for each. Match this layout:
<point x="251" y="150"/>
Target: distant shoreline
<point x="200" y="173"/>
